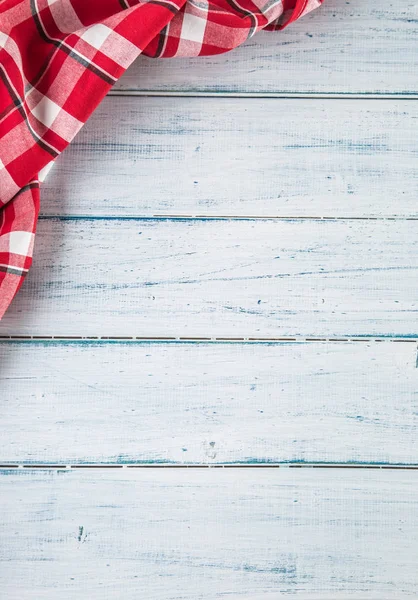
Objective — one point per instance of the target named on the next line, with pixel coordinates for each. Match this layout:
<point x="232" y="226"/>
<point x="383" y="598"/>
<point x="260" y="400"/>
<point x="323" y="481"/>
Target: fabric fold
<point x="59" y="58"/>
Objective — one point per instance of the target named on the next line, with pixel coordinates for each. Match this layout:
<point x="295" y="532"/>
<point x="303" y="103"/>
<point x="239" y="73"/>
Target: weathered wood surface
<point x="355" y="47"/>
<point x="231" y="156"/>
<point x="209" y="534"/>
<point x="194" y="403"/>
<point x="235" y="533"/>
<point x="249" y="278"/>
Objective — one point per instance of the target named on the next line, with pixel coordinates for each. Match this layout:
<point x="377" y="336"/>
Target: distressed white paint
<point x="252" y="534"/>
<point x="355" y="47"/>
<point x="208" y="403"/>
<point x="255" y="278"/>
<point x="236" y="534"/>
<point x="260" y="157"/>
<point x="209" y="534"/>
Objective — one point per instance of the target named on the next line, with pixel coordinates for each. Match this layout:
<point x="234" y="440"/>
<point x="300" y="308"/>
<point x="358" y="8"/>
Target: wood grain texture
<point x="206" y="156"/>
<point x="200" y="403"/>
<point x="193" y="534"/>
<point x="207" y="278"/>
<point x="355" y="47"/>
<point x="233" y="533"/>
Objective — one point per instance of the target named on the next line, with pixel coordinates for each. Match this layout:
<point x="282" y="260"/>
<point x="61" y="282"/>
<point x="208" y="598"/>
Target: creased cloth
<point x="59" y="58"/>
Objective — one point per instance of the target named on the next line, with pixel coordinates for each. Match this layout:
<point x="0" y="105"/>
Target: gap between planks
<point x="203" y="217"/>
<point x="265" y="95"/>
<point x="255" y="340"/>
<point x="359" y="466"/>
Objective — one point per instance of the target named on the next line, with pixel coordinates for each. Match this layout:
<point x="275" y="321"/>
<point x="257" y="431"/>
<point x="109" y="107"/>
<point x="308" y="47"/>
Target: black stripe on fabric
<point x="239" y="9"/>
<point x="42" y="144"/>
<point x="17" y="101"/>
<point x="245" y="13"/>
<point x="38" y="23"/>
<point x="124" y="4"/>
<point x="14" y="97"/>
<point x="59" y="44"/>
<point x="13" y="271"/>
<point x="32" y="84"/>
<point x="269" y="5"/>
<point x="161" y="40"/>
<point x="169" y="7"/>
<point x="85" y="63"/>
<point x="30" y="186"/>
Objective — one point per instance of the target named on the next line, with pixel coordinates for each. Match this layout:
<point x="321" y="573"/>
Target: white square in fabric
<point x="3" y="39"/>
<point x="193" y="28"/>
<point x="44" y="172"/>
<point x="46" y="111"/>
<point x="1" y="165"/>
<point x="17" y="242"/>
<point x="120" y="49"/>
<point x="96" y="35"/>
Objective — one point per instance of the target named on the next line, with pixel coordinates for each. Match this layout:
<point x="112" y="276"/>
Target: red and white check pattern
<point x="59" y="58"/>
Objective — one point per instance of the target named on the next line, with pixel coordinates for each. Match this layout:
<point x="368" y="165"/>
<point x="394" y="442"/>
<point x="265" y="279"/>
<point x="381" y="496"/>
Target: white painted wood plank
<point x="165" y="534"/>
<point x="356" y="47"/>
<point x="206" y="278"/>
<point x="195" y="156"/>
<point x="194" y="403"/>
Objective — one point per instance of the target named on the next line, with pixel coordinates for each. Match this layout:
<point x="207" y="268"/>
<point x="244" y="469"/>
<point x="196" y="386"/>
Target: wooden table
<point x="225" y="276"/>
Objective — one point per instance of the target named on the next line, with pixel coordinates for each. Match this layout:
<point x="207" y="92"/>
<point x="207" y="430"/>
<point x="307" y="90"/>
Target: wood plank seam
<point x="34" y="338"/>
<point x="263" y="95"/>
<point x="360" y="466"/>
<point x="204" y="217"/>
